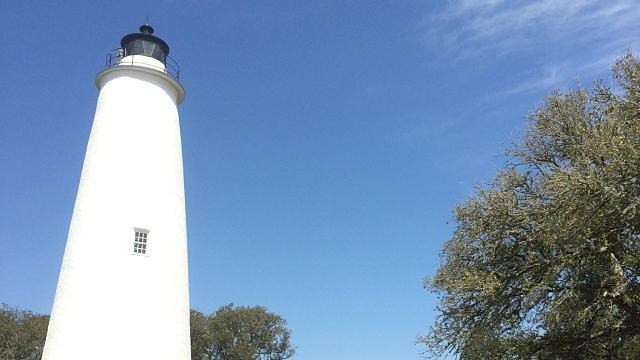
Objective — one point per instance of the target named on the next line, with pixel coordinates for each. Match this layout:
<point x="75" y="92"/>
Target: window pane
<point x="140" y="242"/>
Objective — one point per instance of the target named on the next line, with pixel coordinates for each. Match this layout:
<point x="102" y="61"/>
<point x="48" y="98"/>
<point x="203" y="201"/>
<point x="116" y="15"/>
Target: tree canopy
<point x="22" y="333"/>
<point x="545" y="260"/>
<point x="239" y="333"/>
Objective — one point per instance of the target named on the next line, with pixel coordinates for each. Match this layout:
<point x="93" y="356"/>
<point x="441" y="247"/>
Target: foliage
<point x="545" y="260"/>
<point x="201" y="338"/>
<point x="22" y="334"/>
<point x="239" y="333"/>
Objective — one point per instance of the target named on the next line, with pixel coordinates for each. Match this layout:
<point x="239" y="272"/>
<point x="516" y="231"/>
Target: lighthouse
<point x="123" y="289"/>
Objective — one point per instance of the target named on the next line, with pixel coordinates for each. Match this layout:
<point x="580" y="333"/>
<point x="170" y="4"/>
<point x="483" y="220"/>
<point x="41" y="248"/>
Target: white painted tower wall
<point x="110" y="303"/>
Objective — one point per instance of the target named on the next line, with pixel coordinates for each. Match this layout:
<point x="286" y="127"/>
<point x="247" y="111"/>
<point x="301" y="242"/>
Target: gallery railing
<point x="116" y="57"/>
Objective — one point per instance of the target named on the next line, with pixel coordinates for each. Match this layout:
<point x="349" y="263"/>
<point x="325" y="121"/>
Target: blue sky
<point x="326" y="143"/>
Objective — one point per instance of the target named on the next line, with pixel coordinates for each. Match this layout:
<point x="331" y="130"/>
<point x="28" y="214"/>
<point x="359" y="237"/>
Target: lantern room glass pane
<point x="146" y="48"/>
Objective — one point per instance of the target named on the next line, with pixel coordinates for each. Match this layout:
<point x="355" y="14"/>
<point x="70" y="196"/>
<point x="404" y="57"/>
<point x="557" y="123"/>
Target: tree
<point x="545" y="260"/>
<point x="22" y="333"/>
<point x="200" y="335"/>
<point x="239" y="333"/>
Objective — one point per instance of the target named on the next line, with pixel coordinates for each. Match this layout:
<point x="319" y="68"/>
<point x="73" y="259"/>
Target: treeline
<point x="230" y="333"/>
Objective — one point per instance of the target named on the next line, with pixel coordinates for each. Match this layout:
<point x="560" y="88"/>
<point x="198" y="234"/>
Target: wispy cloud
<point x="569" y="39"/>
<point x="481" y="25"/>
<point x="551" y="78"/>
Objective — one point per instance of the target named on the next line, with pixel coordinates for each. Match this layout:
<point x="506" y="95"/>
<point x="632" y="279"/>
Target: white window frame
<point x="140" y="242"/>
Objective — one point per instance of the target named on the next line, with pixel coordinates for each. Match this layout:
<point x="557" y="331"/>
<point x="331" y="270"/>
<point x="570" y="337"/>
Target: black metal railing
<point x="115" y="57"/>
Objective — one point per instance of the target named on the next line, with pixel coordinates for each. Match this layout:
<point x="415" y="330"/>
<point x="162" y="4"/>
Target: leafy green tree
<point x="545" y="260"/>
<point x="239" y="333"/>
<point x="200" y="335"/>
<point x="22" y="334"/>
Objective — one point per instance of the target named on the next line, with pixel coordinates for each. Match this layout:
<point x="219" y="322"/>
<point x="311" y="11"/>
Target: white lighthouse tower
<point x="123" y="287"/>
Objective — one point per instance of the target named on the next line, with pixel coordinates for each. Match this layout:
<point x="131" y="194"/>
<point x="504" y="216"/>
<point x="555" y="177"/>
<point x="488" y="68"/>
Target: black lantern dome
<point x="145" y="43"/>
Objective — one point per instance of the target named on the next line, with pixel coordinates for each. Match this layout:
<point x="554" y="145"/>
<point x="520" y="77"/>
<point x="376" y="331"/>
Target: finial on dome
<point x="146" y="29"/>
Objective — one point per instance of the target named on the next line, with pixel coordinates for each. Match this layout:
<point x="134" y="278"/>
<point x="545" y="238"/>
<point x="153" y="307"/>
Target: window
<point x="140" y="242"/>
